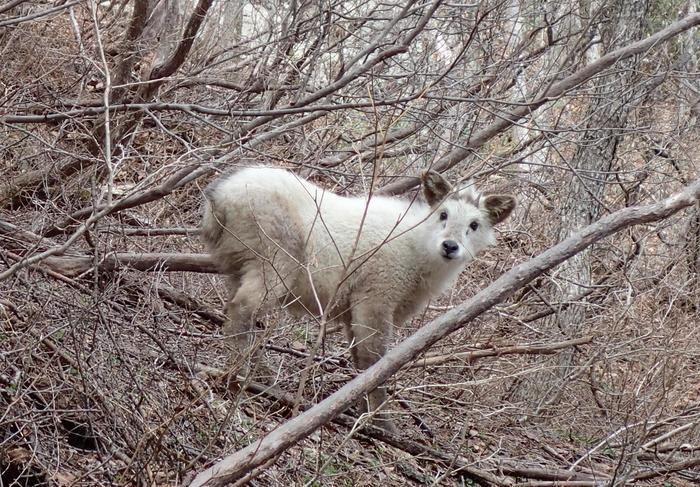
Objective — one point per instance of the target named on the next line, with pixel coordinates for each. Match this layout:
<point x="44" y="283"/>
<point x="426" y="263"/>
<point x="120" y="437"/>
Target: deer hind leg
<point x="253" y="290"/>
<point x="369" y="332"/>
<point x="248" y="296"/>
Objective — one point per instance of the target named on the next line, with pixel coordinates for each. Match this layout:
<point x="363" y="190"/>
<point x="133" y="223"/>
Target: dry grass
<point x="101" y="383"/>
<point x="105" y="379"/>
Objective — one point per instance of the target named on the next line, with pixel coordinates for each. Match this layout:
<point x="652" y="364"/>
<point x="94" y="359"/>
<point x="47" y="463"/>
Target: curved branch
<point x="129" y="51"/>
<point x="184" y="176"/>
<point x="555" y="91"/>
<point x="265" y="449"/>
<point x="178" y="57"/>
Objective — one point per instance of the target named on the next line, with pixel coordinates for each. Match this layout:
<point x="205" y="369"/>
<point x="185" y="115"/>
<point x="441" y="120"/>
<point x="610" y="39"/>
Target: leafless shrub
<point x="114" y="115"/>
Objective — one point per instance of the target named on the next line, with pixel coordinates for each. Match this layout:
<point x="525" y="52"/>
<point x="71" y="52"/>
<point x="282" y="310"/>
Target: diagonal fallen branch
<point x="496" y="351"/>
<point x="73" y="266"/>
<point x="417" y="449"/>
<point x="365" y="431"/>
<point x="267" y="448"/>
<point x="651" y="473"/>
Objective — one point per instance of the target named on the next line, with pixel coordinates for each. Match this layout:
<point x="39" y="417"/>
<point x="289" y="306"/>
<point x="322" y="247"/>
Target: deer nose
<point x="449" y="247"/>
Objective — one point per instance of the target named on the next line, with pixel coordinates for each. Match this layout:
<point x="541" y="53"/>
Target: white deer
<point x="368" y="263"/>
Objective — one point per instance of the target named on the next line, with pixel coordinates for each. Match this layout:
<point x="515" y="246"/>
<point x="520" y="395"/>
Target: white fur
<point x="399" y="246"/>
<point x="368" y="263"/>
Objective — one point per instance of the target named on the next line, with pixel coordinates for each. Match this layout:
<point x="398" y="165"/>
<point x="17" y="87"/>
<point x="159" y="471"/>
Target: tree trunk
<point x="591" y="166"/>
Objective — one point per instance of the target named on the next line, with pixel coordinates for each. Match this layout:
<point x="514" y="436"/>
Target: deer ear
<point x="498" y="207"/>
<point x="435" y="187"/>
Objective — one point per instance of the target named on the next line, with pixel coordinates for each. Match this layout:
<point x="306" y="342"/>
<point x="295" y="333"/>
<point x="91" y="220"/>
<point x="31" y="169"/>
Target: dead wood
<point x="496" y="351"/>
<point x="238" y="464"/>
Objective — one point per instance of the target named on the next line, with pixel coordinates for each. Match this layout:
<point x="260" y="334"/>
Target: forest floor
<point x="116" y="378"/>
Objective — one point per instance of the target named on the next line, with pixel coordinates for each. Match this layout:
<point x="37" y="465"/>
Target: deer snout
<point x="450" y="249"/>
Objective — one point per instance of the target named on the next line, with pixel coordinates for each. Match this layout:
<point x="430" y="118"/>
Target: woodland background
<point x="114" y="115"/>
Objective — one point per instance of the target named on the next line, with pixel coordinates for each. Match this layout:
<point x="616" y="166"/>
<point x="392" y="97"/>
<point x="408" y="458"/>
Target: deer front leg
<point x="369" y="331"/>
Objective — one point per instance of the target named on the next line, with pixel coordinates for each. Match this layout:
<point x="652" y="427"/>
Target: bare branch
<point x="658" y="472"/>
<point x="496" y="351"/>
<point x="129" y="51"/>
<point x="156" y="262"/>
<point x="180" y="54"/>
<point x="10" y="5"/>
<point x="182" y="177"/>
<point x="152" y="232"/>
<point x="555" y="91"/>
<point x="36" y="15"/>
<point x="259" y="452"/>
<point x="187" y="108"/>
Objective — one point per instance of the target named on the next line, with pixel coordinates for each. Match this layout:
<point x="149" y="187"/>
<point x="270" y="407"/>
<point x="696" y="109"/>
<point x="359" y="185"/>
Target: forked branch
<point x="290" y="433"/>
<point x="557" y="89"/>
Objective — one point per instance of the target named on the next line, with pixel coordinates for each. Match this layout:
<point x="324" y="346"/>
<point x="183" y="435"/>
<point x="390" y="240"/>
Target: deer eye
<point x="474" y="225"/>
<point x="443" y="215"/>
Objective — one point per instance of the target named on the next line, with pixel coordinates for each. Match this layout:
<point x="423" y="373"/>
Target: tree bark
<point x="526" y="107"/>
<point x="593" y="163"/>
